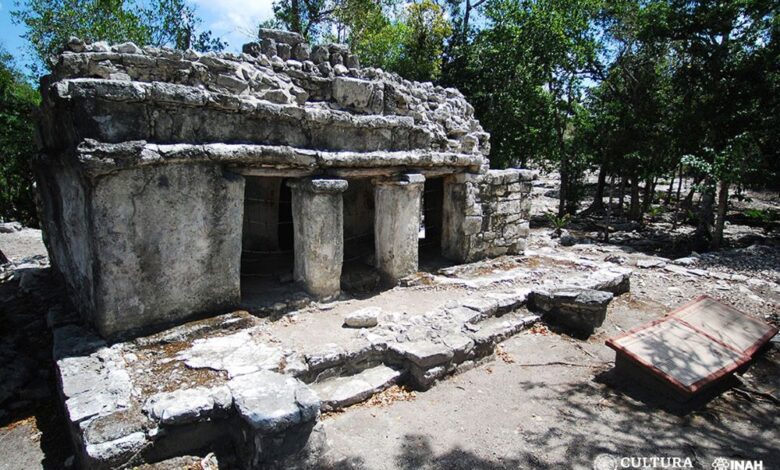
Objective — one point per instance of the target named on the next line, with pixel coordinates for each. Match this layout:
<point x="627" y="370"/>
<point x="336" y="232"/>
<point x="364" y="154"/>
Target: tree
<point x="524" y="74"/>
<point x="50" y="23"/>
<point x="633" y="105"/>
<point x="408" y="40"/>
<point x="17" y="144"/>
<point x="722" y="82"/>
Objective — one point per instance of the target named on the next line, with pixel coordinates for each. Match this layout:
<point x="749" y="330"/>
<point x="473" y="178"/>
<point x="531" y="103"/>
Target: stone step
<point x="340" y="392"/>
<point x="497" y="329"/>
<point x="491" y="305"/>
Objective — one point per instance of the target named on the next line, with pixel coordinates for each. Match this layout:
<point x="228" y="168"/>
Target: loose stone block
<point x="189" y="405"/>
<point x="363" y="318"/>
<point x="424" y="354"/>
<point x="271" y="402"/>
<point x="580" y="309"/>
<point x="341" y="392"/>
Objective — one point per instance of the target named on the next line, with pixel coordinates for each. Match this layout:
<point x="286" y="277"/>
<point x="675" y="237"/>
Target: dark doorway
<point x="358" y="273"/>
<point x="267" y="252"/>
<point x="433" y="209"/>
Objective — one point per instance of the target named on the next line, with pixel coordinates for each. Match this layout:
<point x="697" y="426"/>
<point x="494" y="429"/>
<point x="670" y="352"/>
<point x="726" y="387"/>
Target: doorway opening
<point x="267" y="242"/>
<point x="358" y="273"/>
<point x="431" y="224"/>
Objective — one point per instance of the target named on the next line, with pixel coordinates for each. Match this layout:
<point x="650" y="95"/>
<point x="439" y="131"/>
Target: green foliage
<point x="407" y="39"/>
<point x="17" y="147"/>
<point x="655" y="211"/>
<point x="50" y="23"/>
<point x="558" y="222"/>
<point x="764" y="216"/>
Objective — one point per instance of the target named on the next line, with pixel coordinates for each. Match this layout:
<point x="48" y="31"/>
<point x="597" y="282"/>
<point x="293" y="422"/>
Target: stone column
<point x="397" y="225"/>
<point x="318" y="225"/>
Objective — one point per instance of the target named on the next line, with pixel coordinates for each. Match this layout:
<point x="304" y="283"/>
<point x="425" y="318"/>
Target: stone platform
<point x="251" y="389"/>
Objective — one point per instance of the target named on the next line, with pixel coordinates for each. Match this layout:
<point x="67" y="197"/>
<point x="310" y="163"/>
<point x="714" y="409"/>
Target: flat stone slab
<point x="695" y="346"/>
<point x="237" y="354"/>
<point x="188" y="405"/>
<point x="424" y="354"/>
<point x="270" y="402"/>
<point x="341" y="392"/>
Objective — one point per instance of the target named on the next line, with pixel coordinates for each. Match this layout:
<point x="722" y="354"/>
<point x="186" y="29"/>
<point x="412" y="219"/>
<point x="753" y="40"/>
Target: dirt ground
<point x="546" y="400"/>
<point x="554" y="402"/>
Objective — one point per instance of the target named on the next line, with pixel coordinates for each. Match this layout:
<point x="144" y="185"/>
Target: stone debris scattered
<point x="275" y="390"/>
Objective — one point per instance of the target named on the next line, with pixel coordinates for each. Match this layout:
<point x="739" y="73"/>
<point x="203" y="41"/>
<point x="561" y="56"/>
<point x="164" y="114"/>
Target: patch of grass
<point x="762" y="215"/>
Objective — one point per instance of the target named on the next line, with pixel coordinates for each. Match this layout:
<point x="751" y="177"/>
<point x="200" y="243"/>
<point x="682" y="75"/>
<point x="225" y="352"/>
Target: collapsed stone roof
<point x="279" y="103"/>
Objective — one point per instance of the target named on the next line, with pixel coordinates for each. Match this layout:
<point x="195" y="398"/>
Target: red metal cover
<point x="696" y="344"/>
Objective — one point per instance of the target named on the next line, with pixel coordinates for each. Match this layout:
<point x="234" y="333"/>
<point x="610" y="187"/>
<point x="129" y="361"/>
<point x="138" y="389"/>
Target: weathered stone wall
<point x="486" y="214"/>
<point x="67" y="227"/>
<point x="165" y="239"/>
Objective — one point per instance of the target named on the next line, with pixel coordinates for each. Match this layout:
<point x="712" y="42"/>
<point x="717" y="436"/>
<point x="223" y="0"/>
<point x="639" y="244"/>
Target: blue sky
<point x="234" y="21"/>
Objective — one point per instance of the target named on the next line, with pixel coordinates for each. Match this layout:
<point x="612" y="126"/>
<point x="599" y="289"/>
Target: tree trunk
<point x="633" y="210"/>
<point x="703" y="235"/>
<point x="295" y="11"/>
<point x="598" y="198"/>
<point x="723" y="203"/>
<point x="466" y="14"/>
<point x="562" y="193"/>
<point x="609" y="209"/>
<point x="688" y="202"/>
<point x="621" y="195"/>
<point x="679" y="186"/>
<point x="649" y="193"/>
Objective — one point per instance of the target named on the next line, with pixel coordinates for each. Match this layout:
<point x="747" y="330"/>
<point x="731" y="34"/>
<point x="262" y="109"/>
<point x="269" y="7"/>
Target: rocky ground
<point x="546" y="400"/>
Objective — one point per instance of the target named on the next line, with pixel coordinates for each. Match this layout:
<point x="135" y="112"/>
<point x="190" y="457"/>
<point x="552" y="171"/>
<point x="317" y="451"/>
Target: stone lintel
<point x="405" y="179"/>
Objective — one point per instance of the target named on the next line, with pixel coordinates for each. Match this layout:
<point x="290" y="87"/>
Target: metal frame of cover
<point x="745" y="355"/>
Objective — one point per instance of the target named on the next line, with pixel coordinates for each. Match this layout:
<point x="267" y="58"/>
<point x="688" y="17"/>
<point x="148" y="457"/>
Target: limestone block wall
<point x="486" y="214"/>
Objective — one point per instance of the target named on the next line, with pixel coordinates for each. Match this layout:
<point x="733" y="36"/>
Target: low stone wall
<point x="494" y="207"/>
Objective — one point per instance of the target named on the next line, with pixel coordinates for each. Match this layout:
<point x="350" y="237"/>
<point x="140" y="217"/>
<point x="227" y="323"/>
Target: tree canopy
<point x="50" y="23"/>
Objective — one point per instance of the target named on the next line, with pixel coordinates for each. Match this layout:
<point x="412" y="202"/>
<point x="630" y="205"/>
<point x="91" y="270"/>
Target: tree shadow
<point x="32" y="399"/>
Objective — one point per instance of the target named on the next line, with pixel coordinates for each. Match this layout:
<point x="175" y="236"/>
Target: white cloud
<point x="234" y="21"/>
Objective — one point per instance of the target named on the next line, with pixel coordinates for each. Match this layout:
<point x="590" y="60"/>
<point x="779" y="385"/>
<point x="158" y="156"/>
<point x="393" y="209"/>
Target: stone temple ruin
<point x="176" y="185"/>
<point x="169" y="178"/>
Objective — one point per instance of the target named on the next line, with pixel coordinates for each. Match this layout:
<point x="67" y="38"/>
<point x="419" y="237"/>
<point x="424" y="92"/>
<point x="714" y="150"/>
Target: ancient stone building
<point x="168" y="177"/>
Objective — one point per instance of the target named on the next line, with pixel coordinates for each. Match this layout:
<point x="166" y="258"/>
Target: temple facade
<point x="167" y="178"/>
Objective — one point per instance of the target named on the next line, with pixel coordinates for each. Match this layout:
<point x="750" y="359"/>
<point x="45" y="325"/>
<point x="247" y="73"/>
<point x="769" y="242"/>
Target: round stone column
<point x="397" y="225"/>
<point x="318" y="227"/>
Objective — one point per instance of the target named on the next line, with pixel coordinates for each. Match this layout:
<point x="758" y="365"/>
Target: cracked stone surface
<point x="272" y="402"/>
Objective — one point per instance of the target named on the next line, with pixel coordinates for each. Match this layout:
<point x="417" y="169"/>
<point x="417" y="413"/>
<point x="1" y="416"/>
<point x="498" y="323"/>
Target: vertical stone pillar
<point x="318" y="226"/>
<point x="397" y="225"/>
